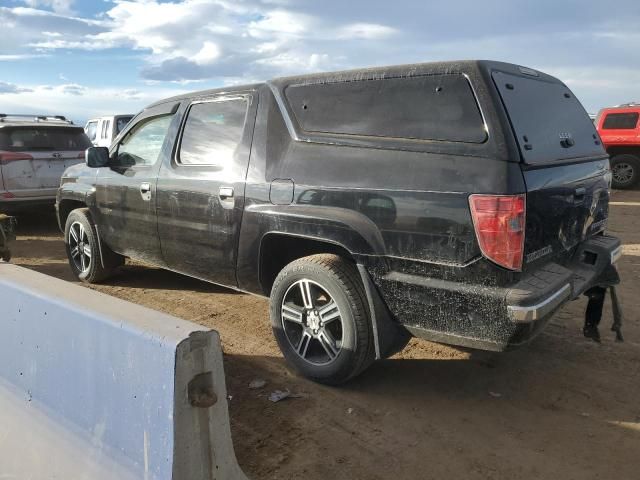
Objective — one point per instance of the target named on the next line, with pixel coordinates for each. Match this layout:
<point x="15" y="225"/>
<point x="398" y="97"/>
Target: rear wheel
<point x="83" y="248"/>
<point x="625" y="171"/>
<point x="320" y="319"/>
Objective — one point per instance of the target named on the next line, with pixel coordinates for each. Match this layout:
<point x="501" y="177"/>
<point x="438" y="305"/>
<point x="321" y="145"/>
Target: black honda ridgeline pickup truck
<point x="461" y="202"/>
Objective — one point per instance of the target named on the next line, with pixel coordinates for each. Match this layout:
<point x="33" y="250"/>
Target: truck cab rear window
<point x="213" y="131"/>
<point x="620" y="121"/>
<point x="430" y="107"/>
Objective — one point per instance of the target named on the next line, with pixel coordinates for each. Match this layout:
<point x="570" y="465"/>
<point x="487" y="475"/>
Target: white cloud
<point x="195" y="40"/>
<point x="19" y="56"/>
<point x="58" y="6"/>
<point x="71" y="89"/>
<point x="234" y="41"/>
<point x="78" y="102"/>
<point x="366" y="31"/>
<point x="596" y="87"/>
<point x="288" y="64"/>
<point x="209" y="53"/>
<point x="24" y="28"/>
<point x="281" y="23"/>
<point x="131" y="94"/>
<point x="6" y="88"/>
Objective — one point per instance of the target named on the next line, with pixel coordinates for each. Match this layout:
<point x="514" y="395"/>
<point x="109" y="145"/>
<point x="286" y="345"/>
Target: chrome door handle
<point x="145" y="191"/>
<point x="225" y="193"/>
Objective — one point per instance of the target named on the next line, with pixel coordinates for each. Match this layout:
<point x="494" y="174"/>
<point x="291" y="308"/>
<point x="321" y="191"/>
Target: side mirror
<point x="96" y="157"/>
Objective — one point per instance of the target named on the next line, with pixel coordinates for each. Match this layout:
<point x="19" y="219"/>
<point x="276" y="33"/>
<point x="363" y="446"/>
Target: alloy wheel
<point x="79" y="247"/>
<point x="312" y="322"/>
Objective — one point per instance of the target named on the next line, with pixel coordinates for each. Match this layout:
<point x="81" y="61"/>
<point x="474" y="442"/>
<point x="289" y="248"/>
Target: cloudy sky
<point x="88" y="57"/>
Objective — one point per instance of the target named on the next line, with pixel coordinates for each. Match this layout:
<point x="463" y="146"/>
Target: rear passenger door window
<point x="213" y="132"/>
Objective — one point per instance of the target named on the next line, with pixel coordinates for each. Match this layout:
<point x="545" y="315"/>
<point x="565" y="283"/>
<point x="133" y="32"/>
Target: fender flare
<point x="355" y="232"/>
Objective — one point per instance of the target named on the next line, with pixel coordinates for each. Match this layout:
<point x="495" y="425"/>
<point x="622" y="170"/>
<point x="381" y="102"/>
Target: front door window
<point x="143" y="144"/>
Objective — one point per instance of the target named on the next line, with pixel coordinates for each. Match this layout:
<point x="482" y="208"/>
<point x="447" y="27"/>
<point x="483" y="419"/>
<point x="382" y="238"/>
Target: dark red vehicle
<point x="619" y="129"/>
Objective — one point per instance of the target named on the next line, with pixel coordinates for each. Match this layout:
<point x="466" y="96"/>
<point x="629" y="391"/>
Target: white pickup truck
<point x="102" y="130"/>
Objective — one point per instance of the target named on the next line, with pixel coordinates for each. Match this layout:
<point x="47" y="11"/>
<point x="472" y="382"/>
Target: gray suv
<point x="34" y="152"/>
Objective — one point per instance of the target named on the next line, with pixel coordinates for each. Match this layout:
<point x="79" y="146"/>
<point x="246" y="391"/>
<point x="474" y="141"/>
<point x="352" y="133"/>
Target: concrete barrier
<point x="92" y="387"/>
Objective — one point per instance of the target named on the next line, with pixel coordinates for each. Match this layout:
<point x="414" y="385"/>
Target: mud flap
<point x="388" y="334"/>
<point x="597" y="295"/>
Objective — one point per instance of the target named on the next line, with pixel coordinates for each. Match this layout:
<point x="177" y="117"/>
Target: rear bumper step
<point x="541" y="309"/>
<point x="497" y="318"/>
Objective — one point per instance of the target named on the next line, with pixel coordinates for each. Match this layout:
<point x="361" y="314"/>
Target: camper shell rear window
<point x="427" y="107"/>
<point x="548" y="121"/>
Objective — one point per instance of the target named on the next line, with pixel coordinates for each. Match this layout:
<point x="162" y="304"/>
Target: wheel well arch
<point x="624" y="150"/>
<point x="65" y="207"/>
<point x="279" y="249"/>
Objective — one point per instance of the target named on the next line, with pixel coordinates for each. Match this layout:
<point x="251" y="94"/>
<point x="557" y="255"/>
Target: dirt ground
<point x="561" y="408"/>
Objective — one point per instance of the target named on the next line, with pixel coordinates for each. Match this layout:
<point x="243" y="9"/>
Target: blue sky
<point x="85" y="58"/>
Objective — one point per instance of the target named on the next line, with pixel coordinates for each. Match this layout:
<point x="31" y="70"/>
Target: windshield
<point x="548" y="121"/>
<point x="26" y="139"/>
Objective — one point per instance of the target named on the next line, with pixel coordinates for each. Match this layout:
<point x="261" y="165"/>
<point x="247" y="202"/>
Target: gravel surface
<point x="561" y="408"/>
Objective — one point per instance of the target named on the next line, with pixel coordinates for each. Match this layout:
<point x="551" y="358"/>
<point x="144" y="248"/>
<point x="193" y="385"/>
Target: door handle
<point x="225" y="193"/>
<point x="145" y="191"/>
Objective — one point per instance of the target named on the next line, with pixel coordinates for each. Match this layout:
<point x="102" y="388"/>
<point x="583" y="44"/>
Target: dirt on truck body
<point x="562" y="407"/>
<point x="460" y="202"/>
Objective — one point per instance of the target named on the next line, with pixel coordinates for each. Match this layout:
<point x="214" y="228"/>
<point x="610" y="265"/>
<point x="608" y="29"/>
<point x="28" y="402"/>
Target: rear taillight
<point x="499" y="221"/>
<point x="6" y="157"/>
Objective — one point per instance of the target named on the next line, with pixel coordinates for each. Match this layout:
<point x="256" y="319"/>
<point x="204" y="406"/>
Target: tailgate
<point x="565" y="205"/>
<point x="565" y="167"/>
<point x="36" y="170"/>
<point x="34" y="158"/>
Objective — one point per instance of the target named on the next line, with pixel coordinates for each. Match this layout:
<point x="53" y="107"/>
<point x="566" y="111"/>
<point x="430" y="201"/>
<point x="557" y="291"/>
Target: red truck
<point x="619" y="130"/>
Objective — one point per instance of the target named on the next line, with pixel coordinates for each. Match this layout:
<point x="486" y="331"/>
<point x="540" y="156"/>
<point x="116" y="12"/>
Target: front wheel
<point x="83" y="248"/>
<point x="320" y="319"/>
<point x="625" y="171"/>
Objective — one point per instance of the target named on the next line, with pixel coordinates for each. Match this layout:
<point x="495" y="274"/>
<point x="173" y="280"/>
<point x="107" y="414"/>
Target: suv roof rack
<point x="13" y="117"/>
<point x="629" y="104"/>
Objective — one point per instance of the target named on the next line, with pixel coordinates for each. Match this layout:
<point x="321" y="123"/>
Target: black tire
<point x="625" y="171"/>
<point x="327" y="276"/>
<point x="87" y="266"/>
